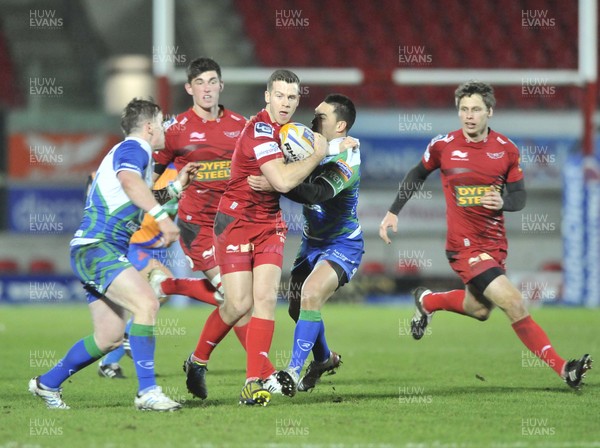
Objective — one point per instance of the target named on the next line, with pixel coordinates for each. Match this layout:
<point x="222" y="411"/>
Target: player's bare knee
<point x="235" y="309"/>
<point x="313" y="296"/>
<point x="266" y="302"/>
<point x="145" y="310"/>
<point x="482" y="314"/>
<point x="311" y="300"/>
<point x="113" y="345"/>
<point x="108" y="341"/>
<point x="150" y="306"/>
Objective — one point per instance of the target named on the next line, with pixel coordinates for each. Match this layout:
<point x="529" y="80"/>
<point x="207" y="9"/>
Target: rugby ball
<point x="297" y="141"/>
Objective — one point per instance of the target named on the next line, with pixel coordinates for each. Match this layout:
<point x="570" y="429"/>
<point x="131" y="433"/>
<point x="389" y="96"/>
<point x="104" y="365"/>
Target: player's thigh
<point x="212" y="273"/>
<point x="98" y="264"/>
<point x="267" y="278"/>
<point x="109" y="323"/>
<point x="131" y="291"/>
<point x="507" y="297"/>
<point x="319" y="286"/>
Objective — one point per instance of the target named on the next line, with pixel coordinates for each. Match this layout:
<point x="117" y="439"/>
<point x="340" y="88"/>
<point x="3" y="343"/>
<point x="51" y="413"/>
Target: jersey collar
<point x="143" y="143"/>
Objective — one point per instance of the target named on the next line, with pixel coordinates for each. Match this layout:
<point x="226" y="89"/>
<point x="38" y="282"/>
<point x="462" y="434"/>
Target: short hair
<point x="201" y="65"/>
<point x="136" y="112"/>
<point x="282" y="75"/>
<point x="343" y="108"/>
<point x="476" y="87"/>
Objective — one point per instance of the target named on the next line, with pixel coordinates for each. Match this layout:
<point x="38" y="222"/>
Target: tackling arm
<point x="311" y="193"/>
<point x="285" y="176"/>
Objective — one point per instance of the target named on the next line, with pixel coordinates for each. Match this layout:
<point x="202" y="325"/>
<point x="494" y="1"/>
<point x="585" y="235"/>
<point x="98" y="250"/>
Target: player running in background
<point x="332" y="243"/>
<point x="205" y="133"/>
<point x="250" y="232"/>
<point x="482" y="178"/>
<point x="119" y="193"/>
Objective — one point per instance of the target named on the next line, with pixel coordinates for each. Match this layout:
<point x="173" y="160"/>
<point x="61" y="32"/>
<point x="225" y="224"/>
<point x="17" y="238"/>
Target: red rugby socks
<point x="196" y="288"/>
<point x="258" y="344"/>
<point x="536" y="340"/>
<point x="213" y="332"/>
<point x="241" y="332"/>
<point x="448" y="301"/>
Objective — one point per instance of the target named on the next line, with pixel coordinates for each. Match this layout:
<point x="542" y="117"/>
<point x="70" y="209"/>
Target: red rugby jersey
<point x="190" y="138"/>
<point x="468" y="170"/>
<point x="258" y="144"/>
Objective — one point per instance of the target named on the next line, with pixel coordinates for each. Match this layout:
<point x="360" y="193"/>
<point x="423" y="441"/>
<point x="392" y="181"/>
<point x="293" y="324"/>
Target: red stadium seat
<point x="372" y="267"/>
<point x="8" y="266"/>
<point x="368" y="35"/>
<point x="41" y="266"/>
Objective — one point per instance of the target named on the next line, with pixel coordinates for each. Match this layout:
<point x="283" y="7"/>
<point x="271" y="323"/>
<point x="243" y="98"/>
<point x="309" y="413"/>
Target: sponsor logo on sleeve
<point x="344" y="169"/>
<point x="170" y="122"/>
<point x="427" y="154"/>
<point x="266" y="149"/>
<point x="263" y="130"/>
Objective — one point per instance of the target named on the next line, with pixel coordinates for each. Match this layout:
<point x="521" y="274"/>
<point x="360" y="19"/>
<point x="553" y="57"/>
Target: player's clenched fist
<point x="321" y="145"/>
<point x="170" y="231"/>
<point x="492" y="200"/>
<point x="389" y="220"/>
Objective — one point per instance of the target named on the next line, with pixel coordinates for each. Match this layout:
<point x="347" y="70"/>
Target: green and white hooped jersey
<point x="336" y="217"/>
<point x="109" y="214"/>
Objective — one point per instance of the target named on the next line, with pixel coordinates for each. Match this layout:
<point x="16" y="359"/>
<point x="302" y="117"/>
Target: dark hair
<point x="282" y="75"/>
<point x="343" y="108"/>
<point x="201" y="65"/>
<point x="476" y="87"/>
<point x="136" y="112"/>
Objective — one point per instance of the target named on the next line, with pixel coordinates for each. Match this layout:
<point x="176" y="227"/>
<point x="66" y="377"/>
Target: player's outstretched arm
<point x="389" y="220"/>
<point x="173" y="190"/>
<point x="187" y="173"/>
<point x="412" y="182"/>
<point x="285" y="176"/>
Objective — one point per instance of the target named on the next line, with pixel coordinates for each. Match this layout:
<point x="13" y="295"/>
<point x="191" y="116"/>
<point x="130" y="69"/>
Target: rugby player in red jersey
<point x="481" y="178"/>
<point x="249" y="231"/>
<point x="205" y="133"/>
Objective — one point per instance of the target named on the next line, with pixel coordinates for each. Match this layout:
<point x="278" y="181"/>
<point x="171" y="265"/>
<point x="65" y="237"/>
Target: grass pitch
<point x="466" y="383"/>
